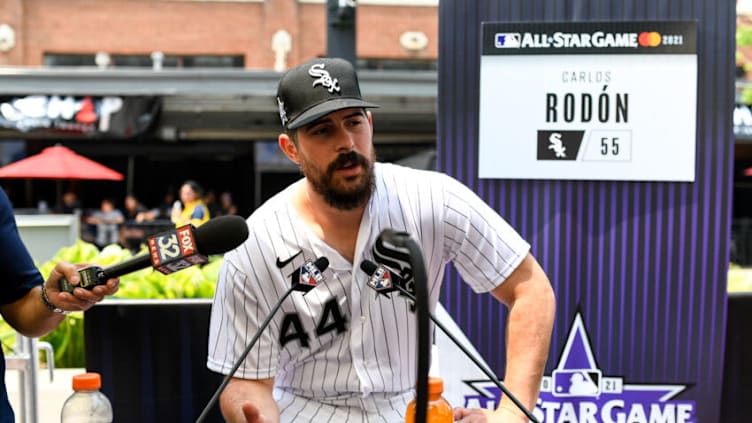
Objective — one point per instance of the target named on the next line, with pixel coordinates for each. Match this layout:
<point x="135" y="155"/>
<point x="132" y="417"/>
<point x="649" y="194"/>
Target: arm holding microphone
<point x="44" y="307"/>
<point x="22" y="303"/>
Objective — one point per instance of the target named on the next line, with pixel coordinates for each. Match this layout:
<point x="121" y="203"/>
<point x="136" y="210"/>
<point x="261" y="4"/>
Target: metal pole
<point x="340" y="34"/>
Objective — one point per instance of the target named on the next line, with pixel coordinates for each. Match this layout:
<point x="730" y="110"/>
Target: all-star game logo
<point x="578" y="392"/>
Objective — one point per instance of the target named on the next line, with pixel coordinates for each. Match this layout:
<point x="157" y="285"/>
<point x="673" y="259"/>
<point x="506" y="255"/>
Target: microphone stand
<point x="240" y="360"/>
<point x="402" y="239"/>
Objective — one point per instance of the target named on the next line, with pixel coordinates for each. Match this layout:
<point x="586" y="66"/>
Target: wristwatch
<point x="48" y="303"/>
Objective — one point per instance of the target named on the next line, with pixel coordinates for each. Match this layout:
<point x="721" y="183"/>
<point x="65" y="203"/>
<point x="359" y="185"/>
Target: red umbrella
<point x="59" y="162"/>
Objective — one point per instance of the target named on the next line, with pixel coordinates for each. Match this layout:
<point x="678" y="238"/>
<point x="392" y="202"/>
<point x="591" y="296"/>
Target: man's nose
<point x="346" y="141"/>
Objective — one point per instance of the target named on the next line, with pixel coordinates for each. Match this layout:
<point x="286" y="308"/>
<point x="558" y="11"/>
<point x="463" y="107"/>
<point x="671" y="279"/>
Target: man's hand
<point x="253" y="414"/>
<point x="249" y="401"/>
<point x="477" y="415"/>
<point x="81" y="299"/>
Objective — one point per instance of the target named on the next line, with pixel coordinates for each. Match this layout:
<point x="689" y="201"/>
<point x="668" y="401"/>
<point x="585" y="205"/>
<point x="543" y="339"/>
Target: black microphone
<point x="381" y="279"/>
<point x="376" y="272"/>
<point x="171" y="251"/>
<point x="308" y="276"/>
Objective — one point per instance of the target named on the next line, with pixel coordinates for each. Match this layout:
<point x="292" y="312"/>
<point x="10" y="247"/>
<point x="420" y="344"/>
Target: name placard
<point x="588" y="101"/>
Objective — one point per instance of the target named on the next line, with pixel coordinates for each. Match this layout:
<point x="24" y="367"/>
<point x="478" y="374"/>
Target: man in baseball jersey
<point x="335" y="351"/>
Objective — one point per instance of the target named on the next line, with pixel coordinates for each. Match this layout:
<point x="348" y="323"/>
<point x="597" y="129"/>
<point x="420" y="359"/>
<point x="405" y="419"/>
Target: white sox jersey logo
<point x="397" y="259"/>
<point x="324" y="78"/>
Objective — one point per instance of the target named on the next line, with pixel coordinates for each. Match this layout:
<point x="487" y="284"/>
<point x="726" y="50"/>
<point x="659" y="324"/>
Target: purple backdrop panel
<point x="639" y="268"/>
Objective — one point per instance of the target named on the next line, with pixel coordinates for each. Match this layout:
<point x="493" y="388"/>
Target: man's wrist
<point x="48" y="303"/>
<point x="511" y="409"/>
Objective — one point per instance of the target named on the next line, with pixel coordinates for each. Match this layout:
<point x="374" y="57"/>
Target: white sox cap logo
<point x="334" y="87"/>
<point x="324" y="79"/>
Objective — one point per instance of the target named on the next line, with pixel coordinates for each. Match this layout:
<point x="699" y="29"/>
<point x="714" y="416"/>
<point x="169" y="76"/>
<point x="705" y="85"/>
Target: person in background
<point x="340" y="353"/>
<point x="132" y="208"/>
<point x="210" y="199"/>
<point x="161" y="211"/>
<point x="194" y="209"/>
<point x="28" y="303"/>
<point x="107" y="221"/>
<point x="132" y="237"/>
<point x="227" y="205"/>
<point x="69" y="204"/>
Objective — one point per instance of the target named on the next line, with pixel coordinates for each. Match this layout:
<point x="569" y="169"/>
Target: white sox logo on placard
<point x="324" y="78"/>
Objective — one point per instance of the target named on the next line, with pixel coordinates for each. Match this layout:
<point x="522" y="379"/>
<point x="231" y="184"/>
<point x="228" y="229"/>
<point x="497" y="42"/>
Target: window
<point x="145" y="61"/>
<point x="391" y="64"/>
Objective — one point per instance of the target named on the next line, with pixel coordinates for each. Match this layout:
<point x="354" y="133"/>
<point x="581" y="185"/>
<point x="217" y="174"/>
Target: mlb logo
<point x="310" y="275"/>
<point x="507" y="40"/>
<point x="576" y="382"/>
<point x="381" y="279"/>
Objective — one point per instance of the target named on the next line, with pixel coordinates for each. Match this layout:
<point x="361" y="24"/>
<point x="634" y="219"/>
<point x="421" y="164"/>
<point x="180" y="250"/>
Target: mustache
<point x="348" y="158"/>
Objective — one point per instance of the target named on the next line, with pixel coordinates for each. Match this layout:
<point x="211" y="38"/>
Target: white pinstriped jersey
<point x="342" y="353"/>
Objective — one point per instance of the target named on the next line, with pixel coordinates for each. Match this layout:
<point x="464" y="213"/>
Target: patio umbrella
<point x="59" y="163"/>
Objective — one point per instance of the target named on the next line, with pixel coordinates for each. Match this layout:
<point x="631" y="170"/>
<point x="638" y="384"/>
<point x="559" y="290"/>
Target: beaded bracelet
<point x="48" y="303"/>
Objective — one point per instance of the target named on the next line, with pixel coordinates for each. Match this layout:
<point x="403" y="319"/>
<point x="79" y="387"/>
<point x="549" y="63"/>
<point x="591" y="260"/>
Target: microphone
<point x="382" y="280"/>
<point x="309" y="275"/>
<point x="171" y="251"/>
<point x="303" y="279"/>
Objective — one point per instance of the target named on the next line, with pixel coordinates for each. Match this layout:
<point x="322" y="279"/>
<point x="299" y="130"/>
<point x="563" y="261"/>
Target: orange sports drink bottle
<point x="439" y="410"/>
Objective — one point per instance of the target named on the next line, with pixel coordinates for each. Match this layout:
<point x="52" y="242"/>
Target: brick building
<point x="195" y="82"/>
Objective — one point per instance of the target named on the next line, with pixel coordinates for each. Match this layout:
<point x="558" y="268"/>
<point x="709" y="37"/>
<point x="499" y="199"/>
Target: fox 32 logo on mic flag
<point x="559" y="145"/>
<point x="175" y="250"/>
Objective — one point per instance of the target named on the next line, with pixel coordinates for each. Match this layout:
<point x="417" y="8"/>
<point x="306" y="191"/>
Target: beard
<point x="339" y="195"/>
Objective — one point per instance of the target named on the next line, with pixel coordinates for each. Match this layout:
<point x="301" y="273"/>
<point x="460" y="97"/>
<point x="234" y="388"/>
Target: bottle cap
<point x="87" y="381"/>
<point x="435" y="385"/>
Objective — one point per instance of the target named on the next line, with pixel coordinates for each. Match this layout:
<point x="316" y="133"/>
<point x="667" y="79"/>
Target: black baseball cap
<point x="317" y="88"/>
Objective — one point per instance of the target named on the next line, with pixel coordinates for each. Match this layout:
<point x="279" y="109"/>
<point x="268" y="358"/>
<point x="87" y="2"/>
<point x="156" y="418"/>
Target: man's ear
<point x="288" y="147"/>
<point x="369" y="116"/>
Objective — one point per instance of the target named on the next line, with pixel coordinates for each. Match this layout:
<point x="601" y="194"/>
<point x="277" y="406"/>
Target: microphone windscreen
<point x="221" y="234"/>
<point x="368" y="266"/>
<point x="322" y="263"/>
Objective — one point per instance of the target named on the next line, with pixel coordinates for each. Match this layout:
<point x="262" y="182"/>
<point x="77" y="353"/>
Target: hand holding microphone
<point x="81" y="300"/>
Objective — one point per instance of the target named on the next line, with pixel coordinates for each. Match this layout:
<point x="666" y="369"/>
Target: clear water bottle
<point x="87" y="404"/>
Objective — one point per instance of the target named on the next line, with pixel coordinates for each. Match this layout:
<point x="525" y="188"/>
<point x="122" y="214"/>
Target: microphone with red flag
<point x="175" y="250"/>
<point x="171" y="251"/>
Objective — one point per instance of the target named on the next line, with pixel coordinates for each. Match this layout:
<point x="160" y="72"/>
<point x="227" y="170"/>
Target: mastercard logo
<point x="649" y="39"/>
